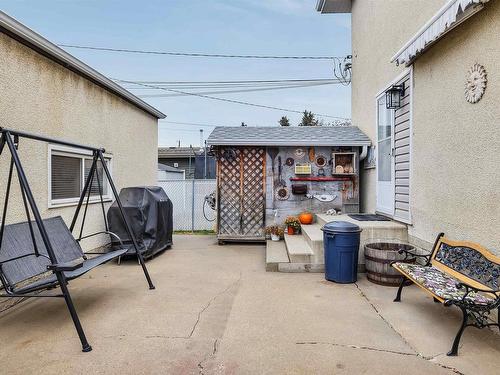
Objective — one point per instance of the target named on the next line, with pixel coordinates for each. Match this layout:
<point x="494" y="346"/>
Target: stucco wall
<point x="379" y="29"/>
<point x="40" y="96"/>
<point x="456" y="145"/>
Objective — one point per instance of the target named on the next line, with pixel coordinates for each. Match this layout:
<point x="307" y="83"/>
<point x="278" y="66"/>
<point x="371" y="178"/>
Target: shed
<point x="267" y="173"/>
<point x="166" y="172"/>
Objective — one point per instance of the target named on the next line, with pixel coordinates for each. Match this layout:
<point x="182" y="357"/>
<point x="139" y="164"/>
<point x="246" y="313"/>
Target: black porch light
<point x="393" y="96"/>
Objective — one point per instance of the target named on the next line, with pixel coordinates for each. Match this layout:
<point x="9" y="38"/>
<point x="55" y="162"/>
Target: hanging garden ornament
<point x="299" y="152"/>
<point x="475" y="85"/>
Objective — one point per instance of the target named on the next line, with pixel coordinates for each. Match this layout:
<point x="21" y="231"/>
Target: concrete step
<point x="298" y="249"/>
<point x="372" y="231"/>
<point x="322" y="219"/>
<point x="301" y="267"/>
<point x="276" y="254"/>
<point x="314" y="238"/>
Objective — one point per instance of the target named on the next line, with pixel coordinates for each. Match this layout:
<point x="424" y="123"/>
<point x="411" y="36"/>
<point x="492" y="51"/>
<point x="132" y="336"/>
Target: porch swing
<point x="39" y="255"/>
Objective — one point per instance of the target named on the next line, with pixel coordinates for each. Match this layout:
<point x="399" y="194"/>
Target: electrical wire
<point x="236" y="91"/>
<point x="195" y="54"/>
<point x="275" y="81"/>
<point x="187" y="123"/>
<point x="231" y="100"/>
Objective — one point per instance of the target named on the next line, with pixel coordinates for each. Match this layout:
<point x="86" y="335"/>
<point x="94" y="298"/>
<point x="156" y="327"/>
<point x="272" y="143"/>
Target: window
<point x="68" y="171"/>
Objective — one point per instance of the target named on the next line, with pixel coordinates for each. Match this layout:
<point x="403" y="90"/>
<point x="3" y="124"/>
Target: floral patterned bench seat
<point x="440" y="284"/>
<point x="457" y="273"/>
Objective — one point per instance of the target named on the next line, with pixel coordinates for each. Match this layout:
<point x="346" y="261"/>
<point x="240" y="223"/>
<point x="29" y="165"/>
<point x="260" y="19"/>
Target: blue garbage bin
<point x="341" y="247"/>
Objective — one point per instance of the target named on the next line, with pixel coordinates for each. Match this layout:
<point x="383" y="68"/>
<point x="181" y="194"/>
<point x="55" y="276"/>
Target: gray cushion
<point x="88" y="264"/>
<point x="17" y="241"/>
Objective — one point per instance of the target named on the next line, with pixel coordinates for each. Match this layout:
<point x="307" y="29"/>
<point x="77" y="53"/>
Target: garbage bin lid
<point x="341" y="227"/>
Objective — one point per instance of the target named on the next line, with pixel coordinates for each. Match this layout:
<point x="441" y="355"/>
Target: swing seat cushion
<point x="30" y="272"/>
<point x="87" y="265"/>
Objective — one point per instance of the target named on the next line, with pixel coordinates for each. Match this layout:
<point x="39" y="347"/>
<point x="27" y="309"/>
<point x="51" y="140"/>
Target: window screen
<point x="66" y="177"/>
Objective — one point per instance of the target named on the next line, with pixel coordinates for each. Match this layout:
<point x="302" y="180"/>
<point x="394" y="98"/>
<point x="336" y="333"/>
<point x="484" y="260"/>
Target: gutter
<point x="36" y="42"/>
<point x="305" y="143"/>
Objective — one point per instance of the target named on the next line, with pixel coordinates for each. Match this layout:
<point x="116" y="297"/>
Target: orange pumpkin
<point x="306" y="218"/>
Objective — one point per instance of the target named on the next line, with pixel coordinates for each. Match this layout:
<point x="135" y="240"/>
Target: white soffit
<point x="450" y="15"/>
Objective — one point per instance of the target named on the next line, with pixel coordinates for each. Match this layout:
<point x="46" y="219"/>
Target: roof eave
<point x="216" y="142"/>
<point x="334" y="6"/>
<point x="403" y="57"/>
<point x="28" y="37"/>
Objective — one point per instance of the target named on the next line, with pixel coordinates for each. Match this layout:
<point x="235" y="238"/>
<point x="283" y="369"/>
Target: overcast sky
<point x="264" y="27"/>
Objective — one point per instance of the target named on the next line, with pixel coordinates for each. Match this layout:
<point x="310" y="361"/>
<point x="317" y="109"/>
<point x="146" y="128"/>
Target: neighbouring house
<point x="267" y="173"/>
<point x="166" y="172"/>
<point x="45" y="90"/>
<point x="425" y="89"/>
<point x="193" y="160"/>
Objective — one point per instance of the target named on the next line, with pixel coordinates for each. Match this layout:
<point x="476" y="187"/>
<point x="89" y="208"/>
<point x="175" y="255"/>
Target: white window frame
<point x="83" y="155"/>
<point x="393" y="176"/>
<point x="404" y="73"/>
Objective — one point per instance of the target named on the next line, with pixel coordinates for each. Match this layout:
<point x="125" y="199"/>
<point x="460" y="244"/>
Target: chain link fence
<point x="191" y="211"/>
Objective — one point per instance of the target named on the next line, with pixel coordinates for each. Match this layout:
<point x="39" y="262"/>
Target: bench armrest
<point x="409" y="253"/>
<point x="470" y="288"/>
<point x="114" y="235"/>
<point x="68" y="266"/>
<point x="495" y="302"/>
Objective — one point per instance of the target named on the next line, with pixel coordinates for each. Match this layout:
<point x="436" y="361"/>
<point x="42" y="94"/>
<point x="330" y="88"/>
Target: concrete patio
<point x="217" y="311"/>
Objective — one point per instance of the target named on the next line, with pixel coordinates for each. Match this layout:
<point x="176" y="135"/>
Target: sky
<point x="260" y="27"/>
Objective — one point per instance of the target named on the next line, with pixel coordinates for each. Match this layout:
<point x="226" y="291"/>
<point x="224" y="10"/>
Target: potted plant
<point x="293" y="224"/>
<point x="275" y="231"/>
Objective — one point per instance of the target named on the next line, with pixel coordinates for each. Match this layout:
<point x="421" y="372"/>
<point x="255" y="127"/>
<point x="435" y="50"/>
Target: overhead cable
<point x="196" y="54"/>
<point x="233" y="101"/>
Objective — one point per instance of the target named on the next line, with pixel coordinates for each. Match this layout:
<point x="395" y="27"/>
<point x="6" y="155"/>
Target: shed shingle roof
<point x="288" y="136"/>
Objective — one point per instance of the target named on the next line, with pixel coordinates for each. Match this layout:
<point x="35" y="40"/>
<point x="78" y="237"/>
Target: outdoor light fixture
<point x="393" y="96"/>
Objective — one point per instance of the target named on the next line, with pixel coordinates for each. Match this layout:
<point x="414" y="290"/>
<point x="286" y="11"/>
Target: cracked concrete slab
<point x="216" y="311"/>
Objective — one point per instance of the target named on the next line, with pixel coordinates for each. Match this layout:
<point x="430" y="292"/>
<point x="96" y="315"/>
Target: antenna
<point x="201" y="138"/>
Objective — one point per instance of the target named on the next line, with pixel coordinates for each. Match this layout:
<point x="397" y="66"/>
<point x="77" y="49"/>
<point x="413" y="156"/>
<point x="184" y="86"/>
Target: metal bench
<point x="457" y="273"/>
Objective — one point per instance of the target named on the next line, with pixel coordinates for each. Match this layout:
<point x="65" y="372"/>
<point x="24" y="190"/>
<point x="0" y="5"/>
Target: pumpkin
<point x="306" y="218"/>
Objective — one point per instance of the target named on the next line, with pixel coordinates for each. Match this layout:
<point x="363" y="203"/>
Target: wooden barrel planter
<point x="378" y="258"/>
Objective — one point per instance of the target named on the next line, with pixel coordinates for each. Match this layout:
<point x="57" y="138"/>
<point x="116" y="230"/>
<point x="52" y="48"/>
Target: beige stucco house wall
<point x="454" y="173"/>
<point x="379" y="28"/>
<point x="39" y="95"/>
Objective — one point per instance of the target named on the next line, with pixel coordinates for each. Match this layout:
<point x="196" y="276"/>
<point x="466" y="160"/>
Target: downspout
<point x="364" y="152"/>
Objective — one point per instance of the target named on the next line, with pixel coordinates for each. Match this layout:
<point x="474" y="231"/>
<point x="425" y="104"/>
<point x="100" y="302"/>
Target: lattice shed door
<point x="241" y="188"/>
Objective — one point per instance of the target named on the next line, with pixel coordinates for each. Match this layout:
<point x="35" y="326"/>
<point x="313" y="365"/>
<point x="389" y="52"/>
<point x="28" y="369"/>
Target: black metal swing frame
<point x="11" y="138"/>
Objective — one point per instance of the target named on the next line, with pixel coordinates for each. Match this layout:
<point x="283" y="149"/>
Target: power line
<point x="240" y="81"/>
<point x="229" y="84"/>
<point x="236" y="91"/>
<point x="181" y="130"/>
<point x="195" y="54"/>
<point x="188" y="123"/>
<point x="231" y="100"/>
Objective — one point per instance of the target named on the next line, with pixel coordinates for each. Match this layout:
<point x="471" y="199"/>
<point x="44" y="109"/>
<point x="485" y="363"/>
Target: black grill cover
<point x="149" y="213"/>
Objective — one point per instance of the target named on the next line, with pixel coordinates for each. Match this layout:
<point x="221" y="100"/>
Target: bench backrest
<point x="468" y="262"/>
<point x="17" y="241"/>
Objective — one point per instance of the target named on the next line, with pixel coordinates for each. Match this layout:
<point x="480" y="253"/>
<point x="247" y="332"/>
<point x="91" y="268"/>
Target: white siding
<point x="402" y="130"/>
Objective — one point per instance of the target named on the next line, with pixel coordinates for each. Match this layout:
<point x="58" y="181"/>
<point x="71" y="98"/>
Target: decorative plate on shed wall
<point x="475" y="85"/>
<point x="299" y="152"/>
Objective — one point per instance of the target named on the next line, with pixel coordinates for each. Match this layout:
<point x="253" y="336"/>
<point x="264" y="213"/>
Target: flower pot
<point x="275" y="237"/>
<point x="290" y="230"/>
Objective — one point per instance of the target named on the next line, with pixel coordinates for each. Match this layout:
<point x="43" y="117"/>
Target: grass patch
<point x="199" y="232"/>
